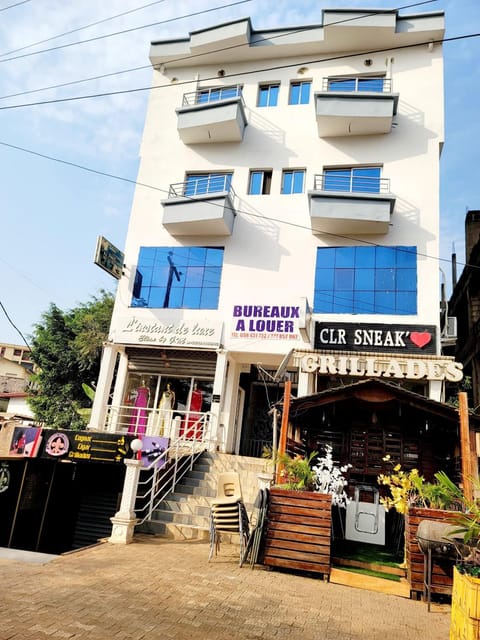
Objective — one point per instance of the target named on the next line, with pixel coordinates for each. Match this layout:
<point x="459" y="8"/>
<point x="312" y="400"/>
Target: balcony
<point x="201" y="206"/>
<point x="357" y="106"/>
<point x="210" y="115"/>
<point x="344" y="202"/>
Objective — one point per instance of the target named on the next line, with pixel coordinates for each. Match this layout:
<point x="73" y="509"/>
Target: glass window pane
<point x="341" y="85"/>
<point x="157" y="297"/>
<point x="385" y="280"/>
<point x="325" y="257"/>
<point x="323" y="302"/>
<point x="406" y="279"/>
<point x="294" y="93"/>
<point x="209" y="298"/>
<point x="298" y="177"/>
<point x="287" y="182"/>
<point x="343" y="302"/>
<point x="197" y="256"/>
<point x="214" y="256"/>
<point x="345" y="257"/>
<point x="337" y="180"/>
<point x="212" y="277"/>
<point x="385" y="302"/>
<point x="146" y="257"/>
<point x="363" y="302"/>
<point x="256" y="180"/>
<point x="273" y="98"/>
<point x="324" y="279"/>
<point x="406" y="257"/>
<point x="365" y="257"/>
<point x="364" y="279"/>
<point x="406" y="302"/>
<point x="344" y="279"/>
<point x="191" y="298"/>
<point x="305" y="93"/>
<point x="385" y="257"/>
<point x="366" y="179"/>
<point x="370" y="84"/>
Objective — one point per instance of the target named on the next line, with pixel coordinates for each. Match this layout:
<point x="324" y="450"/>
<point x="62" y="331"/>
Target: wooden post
<point x="282" y="444"/>
<point x="467" y="476"/>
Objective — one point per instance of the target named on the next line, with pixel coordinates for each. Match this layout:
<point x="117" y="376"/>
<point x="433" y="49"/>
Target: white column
<point x="125" y="519"/>
<point x="435" y="391"/>
<point x="215" y="435"/>
<point x="107" y="367"/>
<point x="305" y="383"/>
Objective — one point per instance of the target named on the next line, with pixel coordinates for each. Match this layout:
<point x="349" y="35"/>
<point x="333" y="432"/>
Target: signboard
<point x="85" y="446"/>
<point x="183" y="333"/>
<point x="382" y="366"/>
<point x="109" y="258"/>
<point x="25" y="442"/>
<point x="153" y="448"/>
<point x="267" y="321"/>
<point x="385" y="338"/>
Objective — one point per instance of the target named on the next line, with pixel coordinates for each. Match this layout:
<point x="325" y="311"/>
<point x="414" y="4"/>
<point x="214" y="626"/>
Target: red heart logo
<point x="420" y="339"/>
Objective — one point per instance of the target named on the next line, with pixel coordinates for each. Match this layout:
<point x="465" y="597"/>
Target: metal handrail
<point x="201" y="186"/>
<point x="127" y="418"/>
<point x="167" y="469"/>
<point x="212" y="94"/>
<point x="357" y="84"/>
<point x="351" y="184"/>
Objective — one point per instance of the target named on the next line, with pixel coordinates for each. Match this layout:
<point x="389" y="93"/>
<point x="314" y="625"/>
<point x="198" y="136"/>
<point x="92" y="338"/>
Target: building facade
<point x="286" y="217"/>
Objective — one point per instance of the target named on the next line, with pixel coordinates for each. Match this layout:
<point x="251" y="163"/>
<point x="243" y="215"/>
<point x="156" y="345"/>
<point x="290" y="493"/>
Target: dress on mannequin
<point x="138" y="421"/>
<point x="165" y="408"/>
<point x="192" y="428"/>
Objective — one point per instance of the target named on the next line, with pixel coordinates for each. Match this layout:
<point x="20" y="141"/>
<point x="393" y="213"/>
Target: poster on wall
<point x="153" y="448"/>
<point x="272" y="321"/>
<point x="25" y="442"/>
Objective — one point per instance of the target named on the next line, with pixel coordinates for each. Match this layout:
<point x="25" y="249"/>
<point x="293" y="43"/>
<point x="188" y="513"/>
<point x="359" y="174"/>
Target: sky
<point x="52" y="212"/>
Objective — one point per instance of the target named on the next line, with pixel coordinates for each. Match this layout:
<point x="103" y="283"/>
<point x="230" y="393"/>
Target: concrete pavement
<point x="156" y="588"/>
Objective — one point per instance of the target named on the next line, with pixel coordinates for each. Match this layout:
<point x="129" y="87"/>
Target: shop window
<point x="379" y="280"/>
<point x="178" y="277"/>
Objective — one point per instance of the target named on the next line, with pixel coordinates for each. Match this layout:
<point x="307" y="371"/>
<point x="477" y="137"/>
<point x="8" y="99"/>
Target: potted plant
<point x="300" y="513"/>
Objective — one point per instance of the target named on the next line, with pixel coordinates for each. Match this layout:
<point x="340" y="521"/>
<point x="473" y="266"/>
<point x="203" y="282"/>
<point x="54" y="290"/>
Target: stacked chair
<point x="228" y="514"/>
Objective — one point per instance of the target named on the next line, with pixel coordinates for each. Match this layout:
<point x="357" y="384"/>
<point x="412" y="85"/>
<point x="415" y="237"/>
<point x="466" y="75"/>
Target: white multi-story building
<point x="287" y="211"/>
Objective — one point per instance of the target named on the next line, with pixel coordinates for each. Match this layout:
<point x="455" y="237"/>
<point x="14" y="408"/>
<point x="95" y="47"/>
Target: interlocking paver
<point x="156" y="588"/>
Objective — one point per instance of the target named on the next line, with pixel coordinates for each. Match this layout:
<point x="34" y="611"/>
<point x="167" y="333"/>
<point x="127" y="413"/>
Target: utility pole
<point x="172" y="271"/>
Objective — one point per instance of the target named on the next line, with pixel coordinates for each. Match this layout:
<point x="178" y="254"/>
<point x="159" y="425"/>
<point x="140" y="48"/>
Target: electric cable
<point x="17" y="4"/>
<point x="14" y="325"/>
<point x="211" y="204"/>
<point x="185" y="58"/>
<point x="239" y="73"/>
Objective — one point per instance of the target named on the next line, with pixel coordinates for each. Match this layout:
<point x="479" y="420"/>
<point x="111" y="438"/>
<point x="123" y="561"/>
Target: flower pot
<point x="465" y="620"/>
<point x="299" y="531"/>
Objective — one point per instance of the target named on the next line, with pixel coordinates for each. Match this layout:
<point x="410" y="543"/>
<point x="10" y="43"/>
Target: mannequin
<point x="165" y="408"/>
<point x="138" y="421"/>
<point x="192" y="428"/>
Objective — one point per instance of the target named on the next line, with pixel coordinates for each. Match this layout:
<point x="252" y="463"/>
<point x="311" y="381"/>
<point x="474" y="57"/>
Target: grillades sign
<point x="385" y="338"/>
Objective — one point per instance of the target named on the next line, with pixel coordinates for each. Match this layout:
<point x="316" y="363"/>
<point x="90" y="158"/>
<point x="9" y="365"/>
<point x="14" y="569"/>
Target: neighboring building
<point x="294" y="219"/>
<point x="464" y="309"/>
<point x="13" y="385"/>
<point x="16" y="353"/>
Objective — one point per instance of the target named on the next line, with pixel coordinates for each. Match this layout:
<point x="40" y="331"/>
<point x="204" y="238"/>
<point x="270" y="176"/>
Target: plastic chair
<point x="228" y="513"/>
<point x="229" y="490"/>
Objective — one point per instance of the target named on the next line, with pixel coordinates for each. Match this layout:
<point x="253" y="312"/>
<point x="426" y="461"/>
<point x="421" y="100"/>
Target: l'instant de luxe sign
<point x="383" y="338"/>
<point x="184" y="333"/>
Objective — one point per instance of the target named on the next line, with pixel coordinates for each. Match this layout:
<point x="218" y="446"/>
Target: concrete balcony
<point x="351" y="206"/>
<point x="212" y="115"/>
<point x="203" y="206"/>
<point x="355" y="107"/>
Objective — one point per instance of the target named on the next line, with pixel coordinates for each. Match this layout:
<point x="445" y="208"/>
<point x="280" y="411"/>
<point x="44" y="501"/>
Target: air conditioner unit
<point x="451" y="328"/>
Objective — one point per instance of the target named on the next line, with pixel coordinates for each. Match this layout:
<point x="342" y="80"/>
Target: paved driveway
<point x="160" y="589"/>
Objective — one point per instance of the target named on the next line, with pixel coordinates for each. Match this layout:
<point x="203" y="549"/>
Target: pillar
<point x="124" y="521"/>
<point x="104" y="382"/>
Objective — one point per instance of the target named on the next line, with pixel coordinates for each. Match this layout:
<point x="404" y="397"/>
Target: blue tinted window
<point x="202" y="183"/>
<point x="268" y="95"/>
<point x="260" y="182"/>
<point x="370" y="84"/>
<point x="354" y="179"/>
<point x="292" y="181"/>
<point x="355" y="84"/>
<point x="300" y="92"/>
<point x="179" y="277"/>
<point x="341" y="85"/>
<point x="365" y="280"/>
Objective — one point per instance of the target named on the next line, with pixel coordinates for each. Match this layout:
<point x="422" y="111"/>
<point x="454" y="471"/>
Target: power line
<point x="240" y="73"/>
<point x="197" y="55"/>
<point x="236" y="210"/>
<point x="117" y="33"/>
<point x="14" y="325"/>
<point x="17" y="4"/>
<point x="87" y="26"/>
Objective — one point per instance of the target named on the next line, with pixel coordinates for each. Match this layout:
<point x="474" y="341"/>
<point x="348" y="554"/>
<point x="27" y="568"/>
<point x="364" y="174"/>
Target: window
<point x="218" y="93"/>
<point x="356" y="84"/>
<point x="268" y="95"/>
<point x="200" y="183"/>
<point x="354" y="179"/>
<point x="260" y="182"/>
<point x="178" y="277"/>
<point x="293" y="180"/>
<point x="366" y="280"/>
<point x="300" y="92"/>
<point x="17" y="352"/>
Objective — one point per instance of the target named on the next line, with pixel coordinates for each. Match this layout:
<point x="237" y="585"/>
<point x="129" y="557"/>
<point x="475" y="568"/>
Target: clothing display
<point x="165" y="408"/>
<point x="191" y="428"/>
<point x="138" y="420"/>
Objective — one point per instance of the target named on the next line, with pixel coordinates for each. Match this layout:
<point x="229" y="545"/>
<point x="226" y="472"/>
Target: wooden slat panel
<point x="284" y="563"/>
<point x="285" y="528"/>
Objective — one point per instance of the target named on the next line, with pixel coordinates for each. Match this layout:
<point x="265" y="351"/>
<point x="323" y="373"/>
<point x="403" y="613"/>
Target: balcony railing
<point x="351" y="183"/>
<point x="356" y="84"/>
<point x="215" y="94"/>
<point x="202" y="185"/>
<point x="189" y="425"/>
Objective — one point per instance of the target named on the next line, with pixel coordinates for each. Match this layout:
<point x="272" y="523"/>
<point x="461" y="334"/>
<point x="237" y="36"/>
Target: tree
<point x="66" y="349"/>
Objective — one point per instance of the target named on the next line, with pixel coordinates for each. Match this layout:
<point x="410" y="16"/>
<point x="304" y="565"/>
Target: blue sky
<point x="51" y="213"/>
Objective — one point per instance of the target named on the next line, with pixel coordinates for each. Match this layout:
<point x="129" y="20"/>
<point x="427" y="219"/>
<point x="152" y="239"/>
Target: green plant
<point x="297" y="473"/>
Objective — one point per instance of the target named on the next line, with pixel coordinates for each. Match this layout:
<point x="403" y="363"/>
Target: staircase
<point x="184" y="514"/>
